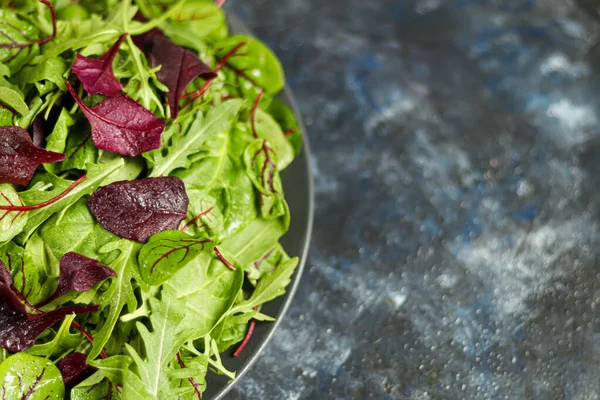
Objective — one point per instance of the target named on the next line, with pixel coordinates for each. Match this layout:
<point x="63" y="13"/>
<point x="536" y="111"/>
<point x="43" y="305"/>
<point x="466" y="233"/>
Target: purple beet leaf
<point x="179" y="68"/>
<point x="96" y="74"/>
<point x="18" y="328"/>
<point x="144" y="41"/>
<point x="136" y="210"/>
<point x="121" y="125"/>
<point x="80" y="274"/>
<point x="38" y="131"/>
<point x="19" y="157"/>
<point x="74" y="369"/>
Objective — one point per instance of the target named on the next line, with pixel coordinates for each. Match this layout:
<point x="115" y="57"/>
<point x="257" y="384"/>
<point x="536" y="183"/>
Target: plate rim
<point x="238" y="26"/>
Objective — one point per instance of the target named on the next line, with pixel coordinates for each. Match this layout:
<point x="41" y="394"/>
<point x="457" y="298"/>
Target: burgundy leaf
<point x="18" y="328"/>
<point x="19" y="157"/>
<point x="74" y="369"/>
<point x="38" y="129"/>
<point x="179" y="68"/>
<point x="144" y="41"/>
<point x="136" y="210"/>
<point x="121" y="125"/>
<point x="96" y="74"/>
<point x="80" y="274"/>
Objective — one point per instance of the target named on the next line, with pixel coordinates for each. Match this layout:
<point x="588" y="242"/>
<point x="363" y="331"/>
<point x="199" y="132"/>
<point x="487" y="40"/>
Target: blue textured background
<point x="457" y="158"/>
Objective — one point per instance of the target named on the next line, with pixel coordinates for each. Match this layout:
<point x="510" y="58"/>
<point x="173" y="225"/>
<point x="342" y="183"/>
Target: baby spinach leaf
<point x="255" y="66"/>
<point x="196" y="21"/>
<point x="208" y="282"/>
<point x="24" y="376"/>
<point x="267" y="128"/>
<point x="286" y="118"/>
<point x="136" y="210"/>
<point x="167" y="252"/>
<point x="96" y="74"/>
<point x="121" y="125"/>
<point x="19" y="157"/>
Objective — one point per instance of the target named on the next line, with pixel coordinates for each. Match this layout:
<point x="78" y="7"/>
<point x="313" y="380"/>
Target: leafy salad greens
<point x="141" y="204"/>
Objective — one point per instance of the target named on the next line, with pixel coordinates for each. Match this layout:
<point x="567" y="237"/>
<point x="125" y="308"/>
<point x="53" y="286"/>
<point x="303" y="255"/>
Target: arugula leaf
<point x="179" y="148"/>
<point x="62" y="343"/>
<point x="161" y="346"/>
<point x="41" y="380"/>
<point x="119" y="293"/>
<point x="270" y="286"/>
<point x="51" y="69"/>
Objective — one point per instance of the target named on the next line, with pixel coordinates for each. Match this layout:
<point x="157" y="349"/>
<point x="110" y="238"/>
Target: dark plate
<point x="298" y="184"/>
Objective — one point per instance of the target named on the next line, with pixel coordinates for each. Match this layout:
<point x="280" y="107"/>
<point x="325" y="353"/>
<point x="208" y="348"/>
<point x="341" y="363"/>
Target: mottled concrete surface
<point x="457" y="159"/>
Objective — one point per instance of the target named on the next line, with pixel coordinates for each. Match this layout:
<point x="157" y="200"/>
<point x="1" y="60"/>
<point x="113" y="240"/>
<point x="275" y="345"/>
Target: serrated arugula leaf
<point x="161" y="344"/>
<point x="179" y="148"/>
<point x="51" y="69"/>
<point x="270" y="286"/>
<point x="119" y="293"/>
<point x="62" y="342"/>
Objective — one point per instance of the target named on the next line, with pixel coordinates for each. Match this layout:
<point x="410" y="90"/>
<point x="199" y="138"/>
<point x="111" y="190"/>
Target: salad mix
<point x="141" y="204"/>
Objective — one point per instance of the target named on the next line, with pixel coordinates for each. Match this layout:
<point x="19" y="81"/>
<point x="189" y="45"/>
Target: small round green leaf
<point x="27" y="377"/>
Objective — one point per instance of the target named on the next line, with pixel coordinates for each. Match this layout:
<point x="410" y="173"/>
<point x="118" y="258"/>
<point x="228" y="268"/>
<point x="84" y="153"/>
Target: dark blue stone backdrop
<point x="457" y="158"/>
